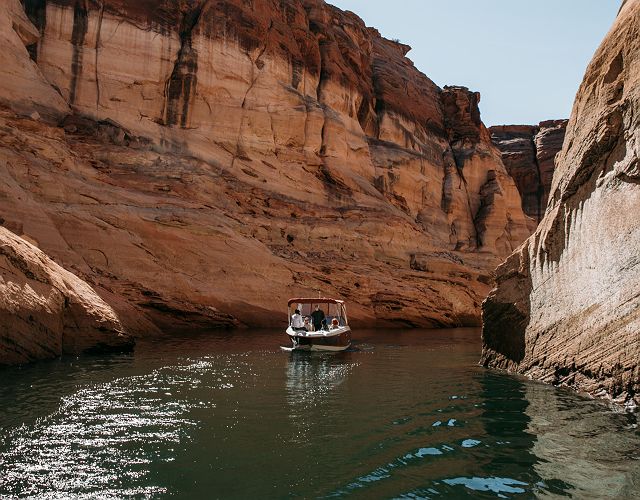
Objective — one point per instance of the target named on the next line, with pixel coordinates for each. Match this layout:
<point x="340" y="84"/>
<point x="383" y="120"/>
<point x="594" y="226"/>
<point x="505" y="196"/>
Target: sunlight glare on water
<point x="404" y="415"/>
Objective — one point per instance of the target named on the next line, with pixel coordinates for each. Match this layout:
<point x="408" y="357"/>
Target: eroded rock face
<point x="529" y="154"/>
<point x="45" y="311"/>
<point x="22" y="85"/>
<point x="567" y="304"/>
<point x="222" y="156"/>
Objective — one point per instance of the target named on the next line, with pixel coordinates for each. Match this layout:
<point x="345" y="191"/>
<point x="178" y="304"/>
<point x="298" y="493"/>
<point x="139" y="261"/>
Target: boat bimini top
<point x="315" y="301"/>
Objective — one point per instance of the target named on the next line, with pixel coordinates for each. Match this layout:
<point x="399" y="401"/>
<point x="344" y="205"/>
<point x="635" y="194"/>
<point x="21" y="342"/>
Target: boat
<point x="334" y="333"/>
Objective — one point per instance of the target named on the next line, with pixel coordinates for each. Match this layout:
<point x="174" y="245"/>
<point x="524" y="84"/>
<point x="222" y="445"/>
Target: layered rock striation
<point x="45" y="311"/>
<point x="567" y="304"/>
<point x="529" y="152"/>
<point x="221" y="156"/>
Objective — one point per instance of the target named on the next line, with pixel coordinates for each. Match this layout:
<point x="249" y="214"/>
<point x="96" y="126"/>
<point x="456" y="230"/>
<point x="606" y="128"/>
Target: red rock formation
<point x="224" y="155"/>
<point x="46" y="311"/>
<point x="22" y="85"/>
<point x="567" y="304"/>
<point x="529" y="154"/>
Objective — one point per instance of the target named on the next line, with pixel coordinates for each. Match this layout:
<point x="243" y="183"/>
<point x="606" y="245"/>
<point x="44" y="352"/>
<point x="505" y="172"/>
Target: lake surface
<point x="405" y="415"/>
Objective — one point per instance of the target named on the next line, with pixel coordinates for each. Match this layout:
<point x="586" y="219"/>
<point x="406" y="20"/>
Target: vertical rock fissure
<point x="97" y="50"/>
<point x="36" y="11"/>
<point x="180" y="89"/>
<point x="335" y="188"/>
<point x="254" y="79"/>
<point x="477" y="236"/>
<point x="323" y="135"/>
<point x="378" y="109"/>
<point x="321" y="79"/>
<point x="273" y="132"/>
<point x="320" y="76"/>
<point x="540" y="190"/>
<point x="306" y="122"/>
<point x="447" y="185"/>
<point x="80" y="27"/>
<point x="306" y="98"/>
<point x="254" y="63"/>
<point x="324" y="173"/>
<point x="487" y="195"/>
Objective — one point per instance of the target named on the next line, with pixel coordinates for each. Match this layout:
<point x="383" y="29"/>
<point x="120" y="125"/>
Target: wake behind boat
<point x="318" y="324"/>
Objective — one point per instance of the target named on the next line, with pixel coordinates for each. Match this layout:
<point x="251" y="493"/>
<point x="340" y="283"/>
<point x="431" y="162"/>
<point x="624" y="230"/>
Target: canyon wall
<point x="567" y="304"/>
<point x="22" y="86"/>
<point x="214" y="158"/>
<point x="529" y="152"/>
<point x="45" y="311"/>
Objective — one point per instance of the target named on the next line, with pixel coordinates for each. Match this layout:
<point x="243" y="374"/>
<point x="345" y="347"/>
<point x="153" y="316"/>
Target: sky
<point x="526" y="58"/>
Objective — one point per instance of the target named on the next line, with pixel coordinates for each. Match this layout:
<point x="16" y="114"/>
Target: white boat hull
<point x="335" y="340"/>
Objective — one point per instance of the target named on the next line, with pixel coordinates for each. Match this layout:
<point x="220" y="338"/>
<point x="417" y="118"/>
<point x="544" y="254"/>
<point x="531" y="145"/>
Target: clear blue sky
<point x="526" y="58"/>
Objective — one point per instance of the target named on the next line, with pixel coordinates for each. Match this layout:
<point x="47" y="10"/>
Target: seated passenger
<point x="297" y="323"/>
<point x="307" y="325"/>
<point x="335" y="323"/>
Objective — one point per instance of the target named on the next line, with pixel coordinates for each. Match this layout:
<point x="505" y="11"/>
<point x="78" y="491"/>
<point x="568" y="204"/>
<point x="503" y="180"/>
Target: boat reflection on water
<point x="312" y="377"/>
<point x="317" y="395"/>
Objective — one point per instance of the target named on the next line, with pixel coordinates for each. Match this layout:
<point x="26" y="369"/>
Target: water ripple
<point x="106" y="434"/>
<point x="409" y="416"/>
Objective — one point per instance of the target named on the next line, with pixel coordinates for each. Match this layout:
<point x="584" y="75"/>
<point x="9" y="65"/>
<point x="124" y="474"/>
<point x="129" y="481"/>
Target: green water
<point x="405" y="415"/>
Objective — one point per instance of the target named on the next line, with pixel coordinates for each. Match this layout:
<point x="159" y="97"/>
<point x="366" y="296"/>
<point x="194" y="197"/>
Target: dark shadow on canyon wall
<point x="506" y="313"/>
<point x="504" y="330"/>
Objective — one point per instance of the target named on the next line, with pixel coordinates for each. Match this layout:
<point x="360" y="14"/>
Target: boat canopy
<point x="317" y="300"/>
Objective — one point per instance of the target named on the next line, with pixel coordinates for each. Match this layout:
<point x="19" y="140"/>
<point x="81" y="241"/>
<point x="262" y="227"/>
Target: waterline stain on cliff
<point x="80" y="26"/>
<point x="181" y="86"/>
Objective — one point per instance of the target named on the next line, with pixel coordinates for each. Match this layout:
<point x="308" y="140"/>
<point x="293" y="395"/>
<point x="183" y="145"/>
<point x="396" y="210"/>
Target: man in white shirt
<point x="296" y="320"/>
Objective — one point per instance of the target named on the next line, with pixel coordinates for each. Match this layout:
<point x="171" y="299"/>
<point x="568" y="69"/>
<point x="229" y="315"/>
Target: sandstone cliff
<point x="46" y="311"/>
<point x="529" y="152"/>
<point x="22" y="85"/>
<point x="567" y="304"/>
<point x="221" y="156"/>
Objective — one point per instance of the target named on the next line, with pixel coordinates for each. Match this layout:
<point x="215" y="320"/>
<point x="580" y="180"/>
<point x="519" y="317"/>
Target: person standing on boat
<point x="296" y="320"/>
<point x="317" y="316"/>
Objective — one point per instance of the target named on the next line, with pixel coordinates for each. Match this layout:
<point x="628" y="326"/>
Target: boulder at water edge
<point x="46" y="311"/>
